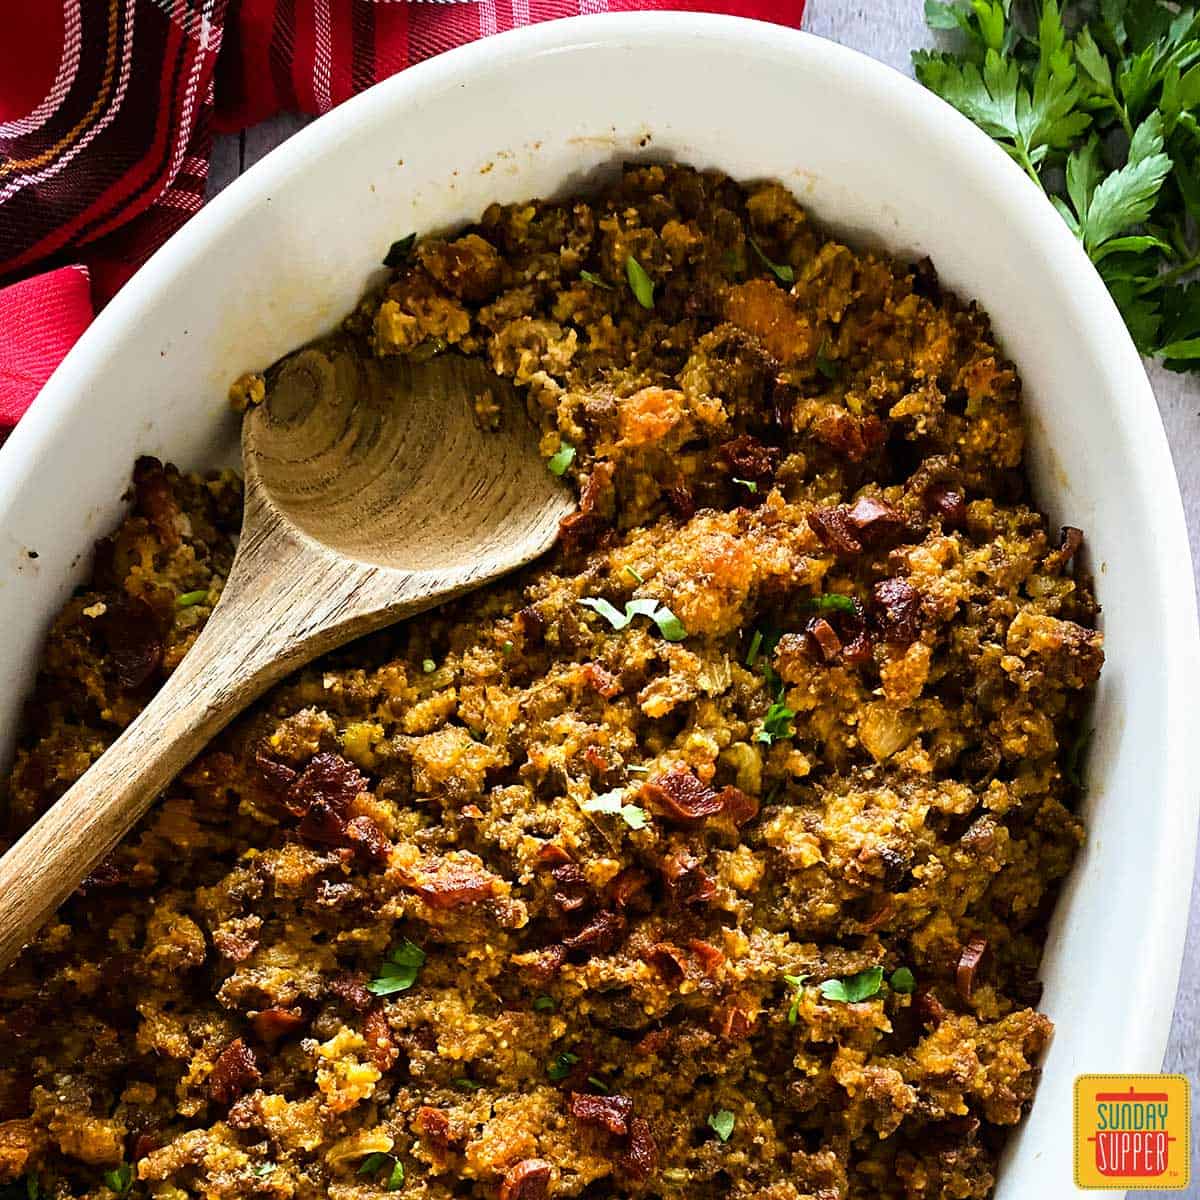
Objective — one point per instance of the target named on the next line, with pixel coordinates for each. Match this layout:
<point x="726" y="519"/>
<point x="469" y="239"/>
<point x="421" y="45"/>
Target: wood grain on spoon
<point x="371" y="494"/>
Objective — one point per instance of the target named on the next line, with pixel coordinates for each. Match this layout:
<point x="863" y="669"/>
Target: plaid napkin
<point x="108" y="108"/>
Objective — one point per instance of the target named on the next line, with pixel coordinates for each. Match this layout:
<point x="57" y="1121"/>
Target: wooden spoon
<point x="371" y="494"/>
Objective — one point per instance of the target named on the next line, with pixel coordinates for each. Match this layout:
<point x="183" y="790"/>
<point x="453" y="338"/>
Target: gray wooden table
<point x="888" y="30"/>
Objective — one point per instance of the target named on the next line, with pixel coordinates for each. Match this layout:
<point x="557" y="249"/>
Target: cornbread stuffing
<point x="710" y="857"/>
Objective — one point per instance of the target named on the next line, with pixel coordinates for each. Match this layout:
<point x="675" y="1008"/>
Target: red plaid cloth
<point x="107" y="110"/>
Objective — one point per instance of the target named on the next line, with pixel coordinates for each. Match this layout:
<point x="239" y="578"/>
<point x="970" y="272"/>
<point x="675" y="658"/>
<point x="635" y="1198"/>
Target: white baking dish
<point x="281" y="254"/>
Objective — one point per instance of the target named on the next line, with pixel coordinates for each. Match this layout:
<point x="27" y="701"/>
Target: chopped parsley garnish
<point x="750" y="485"/>
<point x="776" y="724"/>
<point x="375" y="1164"/>
<point x="507" y="647"/>
<point x="1073" y="762"/>
<point x="598" y="1084"/>
<point x="1099" y="104"/>
<point x="466" y="1085"/>
<point x="428" y="666"/>
<point x="399" y="251"/>
<point x="264" y="1169"/>
<point x="830" y="368"/>
<point x="755" y="645"/>
<point x="640" y="283"/>
<point x="561" y="459"/>
<point x="543" y="1004"/>
<point x="560" y="1068"/>
<point x="595" y="280"/>
<point x="903" y="980"/>
<point x="612" y="802"/>
<point x="399" y="970"/>
<point x="830" y="602"/>
<point x="854" y="988"/>
<point x="633" y="574"/>
<point x="797" y="984"/>
<point x="187" y="599"/>
<point x="721" y="1123"/>
<point x="781" y="271"/>
<point x="120" y="1179"/>
<point x="669" y="625"/>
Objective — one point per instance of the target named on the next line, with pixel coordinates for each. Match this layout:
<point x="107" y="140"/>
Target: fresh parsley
<point x="598" y="1084"/>
<point x="755" y="646"/>
<point x="559" y="1068"/>
<point x="721" y="1123"/>
<point x="613" y="802"/>
<point x="640" y="283"/>
<point x="781" y="271"/>
<point x="750" y="485"/>
<point x="776" y="724"/>
<point x="377" y="1163"/>
<point x="119" y="1179"/>
<point x="903" y="980"/>
<point x="669" y="625"/>
<point x="1100" y="105"/>
<point x="187" y="599"/>
<point x="830" y="602"/>
<point x="399" y="252"/>
<point x="543" y="1004"/>
<point x="796" y="982"/>
<point x="561" y="459"/>
<point x="399" y="970"/>
<point x="466" y="1085"/>
<point x="594" y="280"/>
<point x="854" y="988"/>
<point x="829" y="367"/>
<point x="428" y="666"/>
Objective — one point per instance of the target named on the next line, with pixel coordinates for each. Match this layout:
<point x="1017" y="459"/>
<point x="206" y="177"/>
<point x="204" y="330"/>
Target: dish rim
<point x="1134" y="409"/>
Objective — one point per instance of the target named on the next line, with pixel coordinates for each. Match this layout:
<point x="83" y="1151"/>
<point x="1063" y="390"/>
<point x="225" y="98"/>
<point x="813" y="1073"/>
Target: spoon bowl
<point x="409" y="466"/>
<point x="375" y="488"/>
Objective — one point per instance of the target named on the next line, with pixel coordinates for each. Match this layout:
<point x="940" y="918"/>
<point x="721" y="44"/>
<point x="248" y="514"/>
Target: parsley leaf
<point x="560" y="1067"/>
<point x="612" y="802"/>
<point x="464" y="1084"/>
<point x="903" y="980"/>
<point x="640" y="283"/>
<point x="543" y="1004"/>
<point x="187" y="599"/>
<point x="830" y="602"/>
<point x="561" y="459"/>
<point x="776" y="724"/>
<point x="1103" y="113"/>
<point x="399" y="971"/>
<point x="594" y="280"/>
<point x="374" y="1163"/>
<point x="750" y="485"/>
<point x="669" y="625"/>
<point x="400" y="251"/>
<point x="120" y="1179"/>
<point x="721" y="1123"/>
<point x="781" y="271"/>
<point x="428" y="666"/>
<point x="797" y="984"/>
<point x="854" y="988"/>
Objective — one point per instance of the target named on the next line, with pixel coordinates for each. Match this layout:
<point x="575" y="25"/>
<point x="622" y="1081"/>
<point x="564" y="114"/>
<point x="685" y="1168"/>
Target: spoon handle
<point x="283" y="605"/>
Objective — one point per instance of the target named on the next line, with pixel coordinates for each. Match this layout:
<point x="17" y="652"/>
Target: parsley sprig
<point x="613" y="802"/>
<point x="1100" y="105"/>
<point x="399" y="971"/>
<point x="388" y="1168"/>
<point x="669" y="625"/>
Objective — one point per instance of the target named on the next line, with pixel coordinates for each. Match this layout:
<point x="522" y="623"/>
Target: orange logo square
<point x="1132" y="1131"/>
